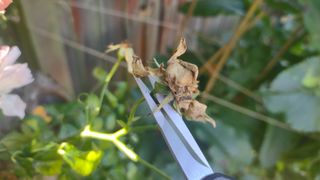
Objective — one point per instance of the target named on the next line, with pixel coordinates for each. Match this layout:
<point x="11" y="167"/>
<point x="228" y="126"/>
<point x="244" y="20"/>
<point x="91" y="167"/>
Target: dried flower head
<point x="179" y="76"/>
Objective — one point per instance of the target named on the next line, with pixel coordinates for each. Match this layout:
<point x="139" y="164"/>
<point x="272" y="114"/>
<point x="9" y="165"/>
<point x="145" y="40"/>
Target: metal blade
<point x="191" y="166"/>
<point x="182" y="129"/>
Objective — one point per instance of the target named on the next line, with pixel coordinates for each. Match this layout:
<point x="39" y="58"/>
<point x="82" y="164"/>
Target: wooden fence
<point x="68" y="37"/>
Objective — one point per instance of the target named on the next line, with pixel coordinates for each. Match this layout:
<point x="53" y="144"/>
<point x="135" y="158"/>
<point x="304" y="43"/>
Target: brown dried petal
<point x="113" y="47"/>
<point x="181" y="49"/>
<point x="178" y="73"/>
<point x="128" y="55"/>
<point x="124" y="51"/>
<point x="183" y="105"/>
<point x="138" y="69"/>
<point x="159" y="72"/>
<point x="197" y="112"/>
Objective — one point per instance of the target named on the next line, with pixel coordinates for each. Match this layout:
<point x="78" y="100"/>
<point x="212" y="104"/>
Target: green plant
<point x="65" y="145"/>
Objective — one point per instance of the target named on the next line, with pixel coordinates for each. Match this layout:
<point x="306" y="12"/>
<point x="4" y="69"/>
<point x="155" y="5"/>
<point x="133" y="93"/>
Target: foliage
<point x="286" y="35"/>
<point x="211" y="8"/>
<point x="242" y="146"/>
<point x="61" y="146"/>
<point x="299" y="87"/>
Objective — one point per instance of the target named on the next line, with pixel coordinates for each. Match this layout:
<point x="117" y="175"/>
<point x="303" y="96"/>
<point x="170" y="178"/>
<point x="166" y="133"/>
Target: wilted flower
<point x="3" y="5"/>
<point x="179" y="76"/>
<point x="12" y="76"/>
<point x="134" y="63"/>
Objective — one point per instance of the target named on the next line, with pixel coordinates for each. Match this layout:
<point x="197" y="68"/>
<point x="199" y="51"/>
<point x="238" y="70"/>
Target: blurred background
<point x="259" y="75"/>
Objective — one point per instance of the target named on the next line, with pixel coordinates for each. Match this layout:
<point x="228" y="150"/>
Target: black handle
<point x="218" y="176"/>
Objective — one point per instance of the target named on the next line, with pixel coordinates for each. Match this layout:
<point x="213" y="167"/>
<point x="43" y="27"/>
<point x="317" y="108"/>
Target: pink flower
<point x="12" y="76"/>
<point x="4" y="4"/>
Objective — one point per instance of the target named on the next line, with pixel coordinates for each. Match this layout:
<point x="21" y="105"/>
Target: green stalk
<point x="121" y="146"/>
<point x="108" y="79"/>
<point x="152" y="167"/>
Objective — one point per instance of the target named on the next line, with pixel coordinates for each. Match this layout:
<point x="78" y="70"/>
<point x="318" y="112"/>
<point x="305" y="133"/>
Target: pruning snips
<point x="181" y="143"/>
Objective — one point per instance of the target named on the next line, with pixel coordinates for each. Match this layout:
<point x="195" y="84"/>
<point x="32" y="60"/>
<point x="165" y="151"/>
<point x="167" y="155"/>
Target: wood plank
<point x="51" y="55"/>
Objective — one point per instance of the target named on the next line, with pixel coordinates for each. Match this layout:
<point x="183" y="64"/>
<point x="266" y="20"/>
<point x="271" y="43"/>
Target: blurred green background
<point x="259" y="72"/>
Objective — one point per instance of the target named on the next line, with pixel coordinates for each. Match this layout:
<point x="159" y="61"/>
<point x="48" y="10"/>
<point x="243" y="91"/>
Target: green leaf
<point x="231" y="149"/>
<point x="289" y="95"/>
<point x="46" y="159"/>
<point x="24" y="164"/>
<point x="67" y="130"/>
<point x="122" y="90"/>
<point x="48" y="168"/>
<point x="99" y="73"/>
<point x="285" y="5"/>
<point x="97" y="124"/>
<point x="315" y="169"/>
<point x="93" y="105"/>
<point x="83" y="162"/>
<point x="311" y="17"/>
<point x="312" y="78"/>
<point x="15" y="141"/>
<point x="214" y="7"/>
<point x="112" y="99"/>
<point x="304" y="150"/>
<point x="110" y="121"/>
<point x="275" y="144"/>
<point x="161" y="88"/>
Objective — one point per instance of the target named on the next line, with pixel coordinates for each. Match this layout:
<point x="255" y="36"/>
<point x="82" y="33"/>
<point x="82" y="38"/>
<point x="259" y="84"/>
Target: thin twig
<point x="247" y="112"/>
<point x="240" y="88"/>
<point x="217" y="54"/>
<point x="212" y="60"/>
<point x="272" y="62"/>
<point x="234" y="84"/>
<point x="231" y="44"/>
<point x="255" y="19"/>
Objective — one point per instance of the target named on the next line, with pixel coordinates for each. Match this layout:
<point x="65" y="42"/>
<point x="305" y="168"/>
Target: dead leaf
<point x="138" y="68"/>
<point x="197" y="111"/>
<point x="181" y="49"/>
<point x="124" y="51"/>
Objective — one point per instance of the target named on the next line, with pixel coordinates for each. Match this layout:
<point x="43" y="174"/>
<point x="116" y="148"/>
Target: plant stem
<point x="211" y="60"/>
<point x="143" y="128"/>
<point x="127" y="151"/>
<point x="153" y="168"/>
<point x="133" y="111"/>
<point x="120" y="132"/>
<point x="104" y="136"/>
<point x="108" y="78"/>
<point x="121" y="146"/>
